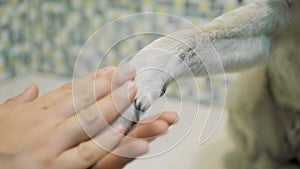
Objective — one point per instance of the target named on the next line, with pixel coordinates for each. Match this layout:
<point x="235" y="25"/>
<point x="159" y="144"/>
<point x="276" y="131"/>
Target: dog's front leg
<point x="239" y="39"/>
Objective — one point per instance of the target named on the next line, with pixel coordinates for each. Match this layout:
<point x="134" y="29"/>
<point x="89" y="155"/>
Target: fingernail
<point x="119" y="128"/>
<point x="127" y="69"/>
<point x="131" y="85"/>
<point x="107" y="70"/>
<point x="29" y="88"/>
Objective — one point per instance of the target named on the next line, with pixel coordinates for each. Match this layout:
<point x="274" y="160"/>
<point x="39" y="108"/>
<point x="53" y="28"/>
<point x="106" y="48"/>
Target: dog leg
<point x="236" y="40"/>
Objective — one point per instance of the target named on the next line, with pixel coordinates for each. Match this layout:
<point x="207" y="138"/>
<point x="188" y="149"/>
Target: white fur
<point x="239" y="39"/>
<point x="242" y="38"/>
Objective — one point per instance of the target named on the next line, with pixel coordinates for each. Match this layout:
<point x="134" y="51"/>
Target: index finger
<point x="58" y="94"/>
<point x="86" y="92"/>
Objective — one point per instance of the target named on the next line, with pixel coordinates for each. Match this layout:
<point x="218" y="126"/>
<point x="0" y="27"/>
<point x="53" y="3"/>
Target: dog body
<point x="264" y="105"/>
<point x="264" y="112"/>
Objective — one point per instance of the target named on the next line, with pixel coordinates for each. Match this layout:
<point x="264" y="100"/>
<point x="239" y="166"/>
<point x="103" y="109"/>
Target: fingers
<point x="88" y="153"/>
<point x="96" y="117"/>
<point x="29" y="94"/>
<point x="168" y="116"/>
<point x="122" y="74"/>
<point x="131" y="147"/>
<point x="52" y="97"/>
<point x="123" y="155"/>
<point x="154" y="126"/>
<point x="88" y="91"/>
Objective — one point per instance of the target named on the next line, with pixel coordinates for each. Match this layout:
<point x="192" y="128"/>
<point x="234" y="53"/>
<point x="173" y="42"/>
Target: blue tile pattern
<point x="47" y="35"/>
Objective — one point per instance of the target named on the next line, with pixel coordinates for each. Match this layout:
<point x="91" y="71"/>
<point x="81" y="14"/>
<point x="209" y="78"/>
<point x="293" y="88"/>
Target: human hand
<point x="45" y="132"/>
<point x="129" y="147"/>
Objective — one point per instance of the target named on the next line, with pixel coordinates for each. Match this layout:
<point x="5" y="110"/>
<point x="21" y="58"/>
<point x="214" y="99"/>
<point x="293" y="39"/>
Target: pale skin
<point x="44" y="131"/>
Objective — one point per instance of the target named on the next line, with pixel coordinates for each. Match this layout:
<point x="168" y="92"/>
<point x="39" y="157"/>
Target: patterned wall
<point x="47" y="35"/>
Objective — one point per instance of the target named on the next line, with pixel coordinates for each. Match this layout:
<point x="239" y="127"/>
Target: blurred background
<point x="40" y="41"/>
<point x="46" y="36"/>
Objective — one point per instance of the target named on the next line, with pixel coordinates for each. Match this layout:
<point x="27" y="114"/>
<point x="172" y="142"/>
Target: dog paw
<point x="153" y="74"/>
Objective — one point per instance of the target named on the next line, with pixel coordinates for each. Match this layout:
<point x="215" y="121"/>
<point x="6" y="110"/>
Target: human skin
<point x="45" y="132"/>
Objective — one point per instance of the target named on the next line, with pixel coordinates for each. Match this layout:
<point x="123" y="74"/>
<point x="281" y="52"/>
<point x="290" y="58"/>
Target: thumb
<point x="29" y="94"/>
